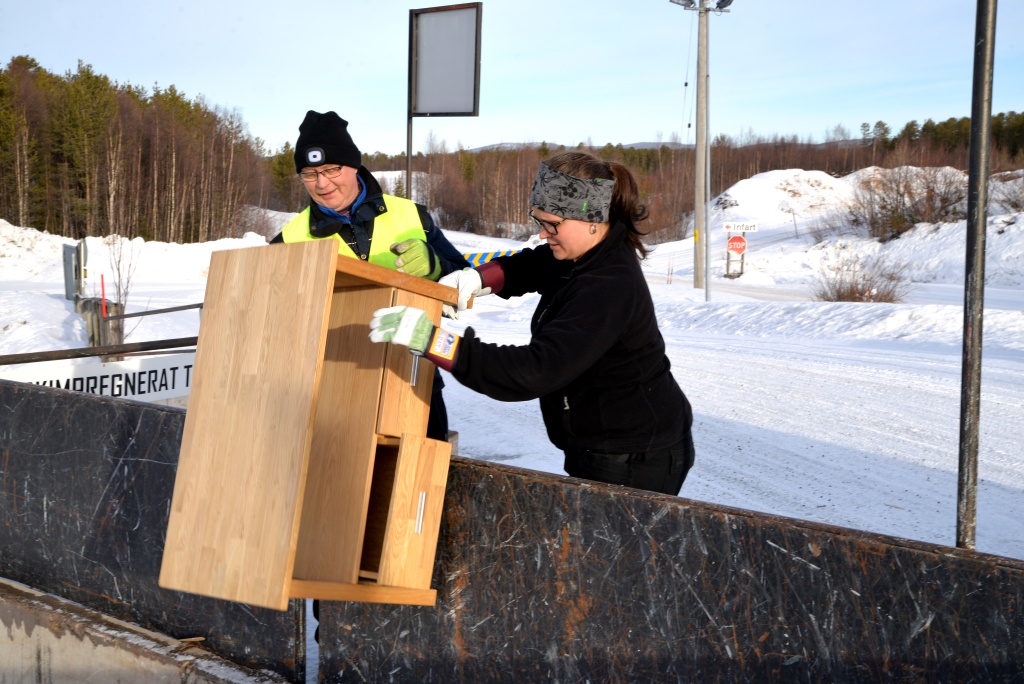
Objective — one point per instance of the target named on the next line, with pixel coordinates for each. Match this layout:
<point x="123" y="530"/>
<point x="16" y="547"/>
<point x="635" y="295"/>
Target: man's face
<point x="332" y="186"/>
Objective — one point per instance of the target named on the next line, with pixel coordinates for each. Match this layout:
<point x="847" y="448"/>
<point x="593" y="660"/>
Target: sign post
<point x="736" y="245"/>
<point x="444" y="67"/>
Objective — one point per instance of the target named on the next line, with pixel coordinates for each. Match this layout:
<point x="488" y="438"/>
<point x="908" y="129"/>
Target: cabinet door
<point x="241" y="477"/>
<point x="410" y="538"/>
<point x="403" y="407"/>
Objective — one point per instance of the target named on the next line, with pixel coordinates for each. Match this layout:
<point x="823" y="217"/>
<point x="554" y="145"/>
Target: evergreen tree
<point x="910" y="132"/>
<point x="286" y="185"/>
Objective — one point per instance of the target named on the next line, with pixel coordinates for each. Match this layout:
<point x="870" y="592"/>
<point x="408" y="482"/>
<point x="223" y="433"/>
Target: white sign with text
<point x="143" y="378"/>
<point x="740" y="227"/>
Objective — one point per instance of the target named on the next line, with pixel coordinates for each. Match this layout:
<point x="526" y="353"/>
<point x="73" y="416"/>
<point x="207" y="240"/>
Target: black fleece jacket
<point x="596" y="358"/>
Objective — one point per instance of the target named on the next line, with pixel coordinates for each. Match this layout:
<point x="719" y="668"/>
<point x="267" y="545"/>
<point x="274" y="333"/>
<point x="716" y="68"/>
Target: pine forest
<point x="81" y="156"/>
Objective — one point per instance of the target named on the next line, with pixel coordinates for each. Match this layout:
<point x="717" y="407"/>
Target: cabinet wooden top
<point x="355" y="272"/>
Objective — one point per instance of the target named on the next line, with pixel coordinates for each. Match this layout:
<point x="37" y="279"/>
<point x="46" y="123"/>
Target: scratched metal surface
<point x="542" y="578"/>
<point x="538" y="577"/>
<point x="85" y="490"/>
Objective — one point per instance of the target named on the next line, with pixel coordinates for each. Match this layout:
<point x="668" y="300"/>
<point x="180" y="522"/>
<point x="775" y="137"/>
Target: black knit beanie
<point x="324" y="139"/>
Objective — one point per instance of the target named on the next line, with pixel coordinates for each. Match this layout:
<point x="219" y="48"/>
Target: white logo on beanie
<point x="314" y="155"/>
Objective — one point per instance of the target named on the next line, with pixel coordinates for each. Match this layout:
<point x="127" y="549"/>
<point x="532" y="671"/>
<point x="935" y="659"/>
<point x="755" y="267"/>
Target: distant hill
<point x="654" y="145"/>
<point x="554" y="146"/>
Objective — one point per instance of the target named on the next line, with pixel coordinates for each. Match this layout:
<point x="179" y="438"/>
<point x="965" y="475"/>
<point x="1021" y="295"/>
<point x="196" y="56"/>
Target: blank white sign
<point x="446" y="62"/>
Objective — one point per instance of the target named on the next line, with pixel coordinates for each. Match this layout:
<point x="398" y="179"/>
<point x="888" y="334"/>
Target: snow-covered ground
<point x="842" y="413"/>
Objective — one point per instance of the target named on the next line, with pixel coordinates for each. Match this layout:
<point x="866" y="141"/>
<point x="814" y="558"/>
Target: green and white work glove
<point x="411" y="327"/>
<point x="416" y="258"/>
<point x="469" y="284"/>
<point x="402" y="325"/>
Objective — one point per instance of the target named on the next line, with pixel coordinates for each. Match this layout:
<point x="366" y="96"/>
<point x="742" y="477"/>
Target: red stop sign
<point x="737" y="244"/>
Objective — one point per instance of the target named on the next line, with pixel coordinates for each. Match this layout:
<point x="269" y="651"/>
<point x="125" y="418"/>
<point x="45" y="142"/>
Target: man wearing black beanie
<point x="348" y="205"/>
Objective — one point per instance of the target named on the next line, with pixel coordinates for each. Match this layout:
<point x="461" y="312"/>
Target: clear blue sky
<point x="564" y="71"/>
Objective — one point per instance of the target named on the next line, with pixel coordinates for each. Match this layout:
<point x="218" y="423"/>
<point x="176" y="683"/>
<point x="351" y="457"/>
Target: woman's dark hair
<point x="626" y="206"/>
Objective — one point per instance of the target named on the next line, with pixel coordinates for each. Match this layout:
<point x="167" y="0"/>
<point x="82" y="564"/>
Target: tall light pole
<point x="702" y="163"/>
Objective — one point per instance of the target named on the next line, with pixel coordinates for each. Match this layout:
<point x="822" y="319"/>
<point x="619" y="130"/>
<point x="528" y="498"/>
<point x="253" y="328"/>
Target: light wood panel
<point x="286" y="486"/>
<point x="344" y="439"/>
<point x="405" y="408"/>
<point x="367" y="593"/>
<point x="358" y="272"/>
<point x="410" y="540"/>
<point x="239" y="488"/>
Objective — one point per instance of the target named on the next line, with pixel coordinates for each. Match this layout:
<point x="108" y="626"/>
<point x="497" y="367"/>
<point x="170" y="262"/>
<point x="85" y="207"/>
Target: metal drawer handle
<point x="420" y="510"/>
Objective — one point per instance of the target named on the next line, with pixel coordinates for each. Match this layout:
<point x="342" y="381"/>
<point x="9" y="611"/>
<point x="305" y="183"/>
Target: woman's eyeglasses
<point x="310" y="176"/>
<point x="546" y="225"/>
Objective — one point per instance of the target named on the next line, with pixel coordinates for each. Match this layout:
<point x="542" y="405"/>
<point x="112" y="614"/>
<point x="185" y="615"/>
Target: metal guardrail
<point x="110" y="350"/>
<point x="105" y="328"/>
<point x="154" y="311"/>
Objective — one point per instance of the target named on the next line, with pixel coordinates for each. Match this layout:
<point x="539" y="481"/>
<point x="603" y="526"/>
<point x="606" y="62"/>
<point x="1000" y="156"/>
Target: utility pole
<point x="700" y="180"/>
<point x="702" y="162"/>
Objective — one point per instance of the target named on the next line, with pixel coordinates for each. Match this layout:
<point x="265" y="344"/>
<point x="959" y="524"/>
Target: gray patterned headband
<point x="583" y="199"/>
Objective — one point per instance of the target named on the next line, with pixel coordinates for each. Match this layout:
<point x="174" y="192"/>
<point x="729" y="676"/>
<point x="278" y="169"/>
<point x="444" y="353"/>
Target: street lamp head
<point x="722" y="4"/>
<point x="684" y="3"/>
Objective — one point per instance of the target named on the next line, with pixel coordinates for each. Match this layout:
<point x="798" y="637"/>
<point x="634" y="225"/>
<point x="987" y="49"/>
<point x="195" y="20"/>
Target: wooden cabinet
<point x="305" y="471"/>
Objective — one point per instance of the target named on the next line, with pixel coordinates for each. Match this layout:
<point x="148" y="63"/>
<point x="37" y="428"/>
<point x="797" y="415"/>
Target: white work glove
<point x="469" y="284"/>
<point x="402" y="325"/>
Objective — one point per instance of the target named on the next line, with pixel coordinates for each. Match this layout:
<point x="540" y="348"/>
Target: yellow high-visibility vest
<point x="399" y="223"/>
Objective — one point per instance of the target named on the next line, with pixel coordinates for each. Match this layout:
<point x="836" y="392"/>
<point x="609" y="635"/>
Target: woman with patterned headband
<point x="596" y="359"/>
